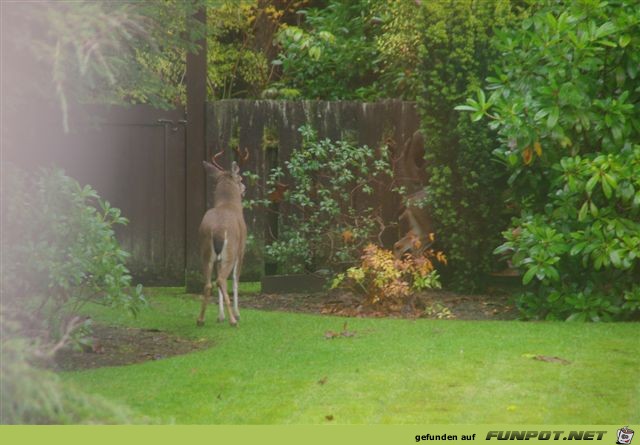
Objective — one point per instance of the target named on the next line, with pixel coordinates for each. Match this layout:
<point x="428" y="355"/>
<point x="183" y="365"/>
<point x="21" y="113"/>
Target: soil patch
<point x="117" y="346"/>
<point x="428" y="304"/>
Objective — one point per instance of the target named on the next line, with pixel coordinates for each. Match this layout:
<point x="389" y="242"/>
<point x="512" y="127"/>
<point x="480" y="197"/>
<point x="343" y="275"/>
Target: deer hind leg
<point x="221" y="316"/>
<point x="236" y="312"/>
<point x="207" y="263"/>
<point x="223" y="274"/>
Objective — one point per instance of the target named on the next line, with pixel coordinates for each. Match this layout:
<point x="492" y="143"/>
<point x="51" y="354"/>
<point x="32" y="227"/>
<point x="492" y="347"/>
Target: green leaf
<point x="553" y="274"/>
<point x="597" y="263"/>
<point x="606" y="189"/>
<point x="576" y="249"/>
<point x="614" y="256"/>
<point x="611" y="180"/>
<point x="552" y="120"/>
<point x="502" y="248"/>
<point x="528" y="276"/>
<point x="605" y="29"/>
<point x="582" y="214"/>
<point x="481" y="98"/>
<point x="315" y="52"/>
<point x="577" y="316"/>
<point x="540" y="114"/>
<point x="624" y="40"/>
<point x="591" y="183"/>
<point x="465" y="108"/>
<point x="617" y="133"/>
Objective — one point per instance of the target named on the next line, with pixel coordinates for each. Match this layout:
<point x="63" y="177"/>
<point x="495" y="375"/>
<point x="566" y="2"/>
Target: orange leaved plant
<point x="383" y="279"/>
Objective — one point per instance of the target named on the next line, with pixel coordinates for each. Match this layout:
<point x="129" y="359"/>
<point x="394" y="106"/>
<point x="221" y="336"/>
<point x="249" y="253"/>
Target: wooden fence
<point x="135" y="158"/>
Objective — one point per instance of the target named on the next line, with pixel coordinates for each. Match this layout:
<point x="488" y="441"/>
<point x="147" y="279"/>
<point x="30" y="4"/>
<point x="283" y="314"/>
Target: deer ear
<point x="235" y="170"/>
<point x="211" y="169"/>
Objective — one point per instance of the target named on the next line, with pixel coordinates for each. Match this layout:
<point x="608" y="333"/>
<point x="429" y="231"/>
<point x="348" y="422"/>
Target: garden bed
<point x="428" y="304"/>
<point x="117" y="346"/>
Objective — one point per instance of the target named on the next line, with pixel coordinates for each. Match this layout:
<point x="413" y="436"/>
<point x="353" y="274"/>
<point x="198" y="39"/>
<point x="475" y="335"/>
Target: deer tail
<point x="218" y="245"/>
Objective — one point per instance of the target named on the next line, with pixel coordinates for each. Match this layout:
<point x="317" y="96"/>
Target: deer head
<point x="218" y="173"/>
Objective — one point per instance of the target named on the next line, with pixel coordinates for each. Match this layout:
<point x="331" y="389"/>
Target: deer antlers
<point x="242" y="157"/>
<point x="214" y="159"/>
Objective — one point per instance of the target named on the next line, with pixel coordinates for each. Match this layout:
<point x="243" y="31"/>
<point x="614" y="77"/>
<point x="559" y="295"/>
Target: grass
<point x="278" y="368"/>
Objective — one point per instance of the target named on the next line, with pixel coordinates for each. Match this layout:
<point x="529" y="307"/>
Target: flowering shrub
<point x="382" y="279"/>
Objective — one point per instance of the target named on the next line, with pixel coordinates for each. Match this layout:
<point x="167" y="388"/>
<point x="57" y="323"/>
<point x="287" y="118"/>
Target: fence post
<point x="196" y="153"/>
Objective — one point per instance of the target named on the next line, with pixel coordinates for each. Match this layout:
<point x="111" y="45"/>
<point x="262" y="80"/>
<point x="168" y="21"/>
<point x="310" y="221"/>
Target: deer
<point x="223" y="234"/>
<point x="420" y="234"/>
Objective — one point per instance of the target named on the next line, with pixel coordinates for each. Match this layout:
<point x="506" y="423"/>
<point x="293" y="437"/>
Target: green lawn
<point x="267" y="371"/>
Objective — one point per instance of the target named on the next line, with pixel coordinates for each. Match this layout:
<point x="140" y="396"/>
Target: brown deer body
<point x="223" y="234"/>
<point x="418" y="220"/>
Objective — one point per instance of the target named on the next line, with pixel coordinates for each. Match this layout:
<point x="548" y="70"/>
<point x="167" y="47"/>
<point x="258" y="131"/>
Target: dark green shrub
<point x="58" y="253"/>
<point x="323" y="226"/>
<point x="36" y="396"/>
<point x="465" y="184"/>
<point x="565" y="104"/>
<point x="60" y="250"/>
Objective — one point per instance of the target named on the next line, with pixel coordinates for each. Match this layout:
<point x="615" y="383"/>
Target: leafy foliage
<point x="383" y="280"/>
<point x="565" y="103"/>
<point x="324" y="223"/>
<point x="59" y="252"/>
<point x="399" y="43"/>
<point x="35" y="396"/>
<point x="60" y="240"/>
<point x="332" y="56"/>
<point x="364" y="49"/>
<point x="113" y="52"/>
<point x="236" y="67"/>
<point x="465" y="183"/>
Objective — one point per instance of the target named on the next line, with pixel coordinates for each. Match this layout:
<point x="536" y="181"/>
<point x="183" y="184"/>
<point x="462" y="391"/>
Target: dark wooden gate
<point x="149" y="146"/>
<point x="135" y="158"/>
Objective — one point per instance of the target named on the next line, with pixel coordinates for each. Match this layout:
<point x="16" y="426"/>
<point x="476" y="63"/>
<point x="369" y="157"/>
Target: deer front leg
<point x="236" y="312"/>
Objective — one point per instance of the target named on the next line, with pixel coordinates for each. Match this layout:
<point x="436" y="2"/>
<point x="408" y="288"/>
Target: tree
<point x="464" y="183"/>
<point x="99" y="52"/>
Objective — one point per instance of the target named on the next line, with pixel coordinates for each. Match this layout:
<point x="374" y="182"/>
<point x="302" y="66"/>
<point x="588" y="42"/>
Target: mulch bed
<point x="116" y="346"/>
<point x="429" y="304"/>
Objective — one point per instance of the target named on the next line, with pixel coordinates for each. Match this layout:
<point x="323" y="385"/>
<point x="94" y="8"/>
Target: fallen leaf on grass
<point x="330" y="334"/>
<point x="546" y="358"/>
<point x="345" y="333"/>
